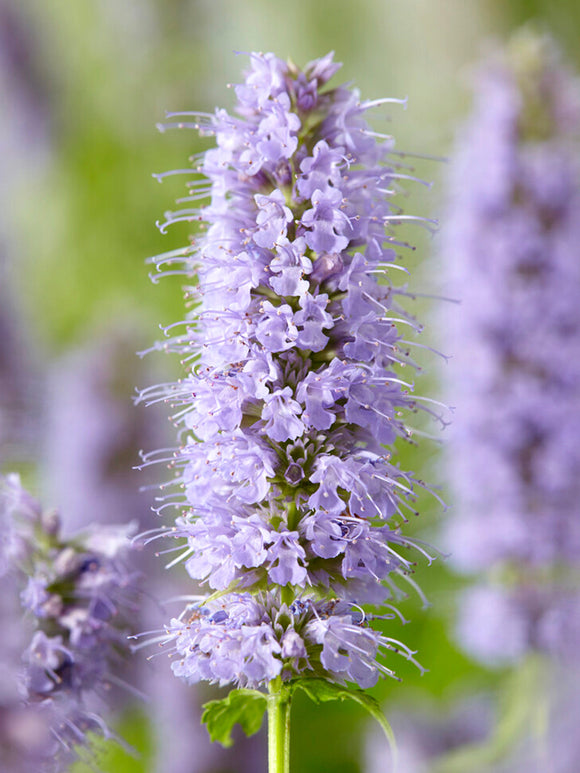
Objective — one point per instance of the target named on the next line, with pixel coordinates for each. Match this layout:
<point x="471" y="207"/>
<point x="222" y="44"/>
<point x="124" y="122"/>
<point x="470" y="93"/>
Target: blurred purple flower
<point x="426" y="733"/>
<point x="80" y="593"/>
<point x="513" y="241"/>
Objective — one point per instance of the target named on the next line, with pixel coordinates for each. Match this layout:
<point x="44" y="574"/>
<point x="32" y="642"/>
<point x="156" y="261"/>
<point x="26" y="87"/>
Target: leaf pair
<point x="247" y="707"/>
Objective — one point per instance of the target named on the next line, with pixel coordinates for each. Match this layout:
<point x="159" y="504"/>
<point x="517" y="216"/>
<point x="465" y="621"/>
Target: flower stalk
<point x="279" y="704"/>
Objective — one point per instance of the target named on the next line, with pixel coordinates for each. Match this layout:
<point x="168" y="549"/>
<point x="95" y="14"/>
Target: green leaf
<point x="244" y="706"/>
<point x="321" y="691"/>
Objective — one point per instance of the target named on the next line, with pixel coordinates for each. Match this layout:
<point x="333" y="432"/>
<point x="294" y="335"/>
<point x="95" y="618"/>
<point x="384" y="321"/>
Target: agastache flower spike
<point x="512" y="240"/>
<point x="292" y="505"/>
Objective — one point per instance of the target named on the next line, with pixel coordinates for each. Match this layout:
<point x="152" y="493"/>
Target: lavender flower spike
<point x="292" y="505"/>
<point x="76" y="594"/>
<point x="513" y="241"/>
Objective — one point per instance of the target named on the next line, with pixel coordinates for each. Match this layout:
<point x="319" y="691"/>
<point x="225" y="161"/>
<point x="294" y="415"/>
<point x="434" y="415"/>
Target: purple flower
<point x="322" y="69"/>
<point x="347" y="650"/>
<point x="276" y="330"/>
<point x="281" y="413"/>
<point x="320" y="171"/>
<point x="79" y="592"/>
<point x="287" y="560"/>
<point x="280" y="467"/>
<point x="223" y="545"/>
<point x="272" y="219"/>
<point x="265" y="81"/>
<point x="427" y="732"/>
<point x="311" y="320"/>
<point x="35" y="596"/>
<point x="512" y="243"/>
<point x="326" y="224"/>
<point x="223" y="644"/>
<point x="290" y="265"/>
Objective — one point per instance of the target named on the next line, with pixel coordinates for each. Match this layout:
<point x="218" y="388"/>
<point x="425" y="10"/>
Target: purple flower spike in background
<point x="513" y="240"/>
<point x="292" y="506"/>
<point x="77" y="595"/>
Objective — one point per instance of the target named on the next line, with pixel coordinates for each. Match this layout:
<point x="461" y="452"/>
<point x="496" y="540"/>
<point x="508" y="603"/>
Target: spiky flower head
<point x="512" y="242"/>
<point x="292" y="502"/>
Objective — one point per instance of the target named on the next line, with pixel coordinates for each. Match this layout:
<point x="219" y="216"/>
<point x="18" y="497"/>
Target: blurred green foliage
<point x="133" y="755"/>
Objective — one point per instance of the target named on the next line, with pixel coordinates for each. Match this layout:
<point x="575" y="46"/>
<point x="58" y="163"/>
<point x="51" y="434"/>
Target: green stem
<point x="278" y="728"/>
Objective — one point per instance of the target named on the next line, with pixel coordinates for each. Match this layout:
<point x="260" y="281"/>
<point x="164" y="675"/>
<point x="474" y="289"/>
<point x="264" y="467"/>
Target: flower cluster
<point x="293" y="505"/>
<point x="76" y="594"/>
<point x="512" y="239"/>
